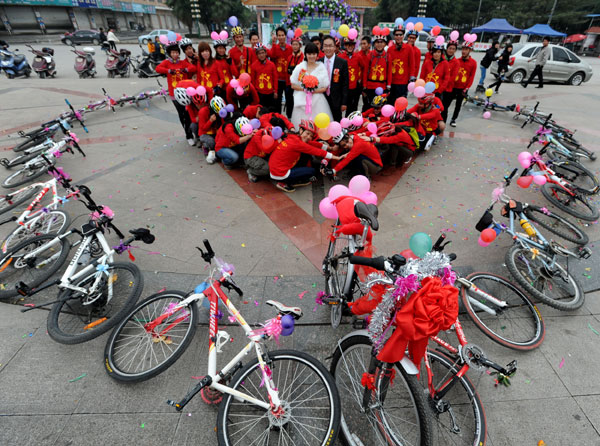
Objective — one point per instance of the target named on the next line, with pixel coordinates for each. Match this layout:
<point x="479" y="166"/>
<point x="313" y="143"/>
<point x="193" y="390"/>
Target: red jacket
<point x="375" y="74"/>
<point x="355" y="68"/>
<point x="255" y="147"/>
<point x="416" y="61"/>
<point x="227" y="70"/>
<point x="226" y="137"/>
<point x="465" y="73"/>
<point x="205" y="125"/>
<point x="250" y="94"/>
<point x="249" y="58"/>
<point x="280" y="58"/>
<point x="264" y="77"/>
<point x="452" y="73"/>
<point x="370" y="116"/>
<point x="291" y="64"/>
<point x="400" y="62"/>
<point x="401" y="138"/>
<point x="360" y="147"/>
<point x="265" y="120"/>
<point x="437" y="75"/>
<point x="210" y="76"/>
<point x="287" y="153"/>
<point x="179" y="67"/>
<point x="428" y="118"/>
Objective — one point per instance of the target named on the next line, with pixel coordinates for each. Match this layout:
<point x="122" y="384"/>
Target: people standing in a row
<point x="462" y="73"/>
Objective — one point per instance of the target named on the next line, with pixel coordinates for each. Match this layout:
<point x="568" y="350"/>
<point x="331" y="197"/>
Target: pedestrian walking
<point x="503" y="62"/>
<point x="490" y="56"/>
<point x="112" y="39"/>
<point x="540" y="60"/>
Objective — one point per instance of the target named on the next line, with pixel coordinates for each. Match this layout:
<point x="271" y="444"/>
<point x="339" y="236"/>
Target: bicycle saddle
<point x="284" y="309"/>
<point x="143" y="234"/>
<point x="367" y="212"/>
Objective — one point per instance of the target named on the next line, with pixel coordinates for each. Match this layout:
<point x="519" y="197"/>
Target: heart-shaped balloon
<point x="525" y="182"/>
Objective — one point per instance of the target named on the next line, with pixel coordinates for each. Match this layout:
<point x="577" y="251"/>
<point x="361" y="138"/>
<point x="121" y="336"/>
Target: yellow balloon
<point x="344" y="30"/>
<point x="322" y="120"/>
<point x="489" y="92"/>
<point x="418" y="27"/>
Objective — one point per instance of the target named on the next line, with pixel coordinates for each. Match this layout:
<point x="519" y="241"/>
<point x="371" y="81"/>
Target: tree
<point x="212" y="14"/>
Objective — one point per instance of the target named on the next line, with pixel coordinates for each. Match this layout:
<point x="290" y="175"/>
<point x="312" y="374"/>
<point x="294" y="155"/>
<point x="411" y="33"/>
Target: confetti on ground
<point x="243" y="245"/>
<point x="162" y="289"/>
<point x="562" y="363"/>
<point x="301" y="295"/>
<point x="78" y="378"/>
<point x="142" y="425"/>
<point x="256" y="303"/>
<point x="275" y="279"/>
<point x="593" y="329"/>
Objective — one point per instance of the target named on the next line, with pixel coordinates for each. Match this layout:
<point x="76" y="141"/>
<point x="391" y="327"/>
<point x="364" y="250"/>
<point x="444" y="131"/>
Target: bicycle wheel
<point x="577" y="175"/>
<point x="17" y="198"/>
<point x="553" y="286"/>
<point x="400" y="416"/>
<point x="33" y="141"/>
<point x="52" y="222"/>
<point x="518" y="325"/>
<point x="336" y="275"/>
<point x="79" y="317"/>
<point x="576" y="205"/>
<point x="459" y="417"/>
<point x="24" y="176"/>
<point x="35" y="270"/>
<point x="556" y="224"/>
<point x="135" y="353"/>
<point x="310" y="401"/>
<point x="31" y="154"/>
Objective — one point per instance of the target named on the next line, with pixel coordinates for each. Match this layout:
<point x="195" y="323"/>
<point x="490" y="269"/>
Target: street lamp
<point x="422" y="8"/>
<point x="195" y="10"/>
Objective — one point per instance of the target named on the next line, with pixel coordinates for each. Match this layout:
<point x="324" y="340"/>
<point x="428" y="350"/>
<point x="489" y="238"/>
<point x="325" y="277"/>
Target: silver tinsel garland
<point x="432" y="264"/>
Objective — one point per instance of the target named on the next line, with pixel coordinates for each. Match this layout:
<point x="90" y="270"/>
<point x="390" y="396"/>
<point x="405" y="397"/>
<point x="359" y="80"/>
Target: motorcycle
<point x="13" y="64"/>
<point x="144" y="65"/>
<point x="85" y="65"/>
<point x="118" y="63"/>
<point x="43" y="62"/>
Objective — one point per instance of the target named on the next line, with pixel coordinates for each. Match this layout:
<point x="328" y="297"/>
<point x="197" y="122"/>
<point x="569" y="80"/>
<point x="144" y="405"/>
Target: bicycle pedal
<point x="174" y="404"/>
<point x="331" y="301"/>
<point x="584" y="252"/>
<point x="359" y="324"/>
<point x="23" y="289"/>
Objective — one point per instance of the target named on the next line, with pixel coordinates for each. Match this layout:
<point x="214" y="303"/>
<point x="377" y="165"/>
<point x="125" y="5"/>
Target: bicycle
<point x="263" y="402"/>
<point x="561" y="148"/>
<point x="534" y="261"/>
<point x="458" y="416"/>
<point x="487" y="105"/>
<point x="90" y="301"/>
<point x="341" y="281"/>
<point x="37" y="219"/>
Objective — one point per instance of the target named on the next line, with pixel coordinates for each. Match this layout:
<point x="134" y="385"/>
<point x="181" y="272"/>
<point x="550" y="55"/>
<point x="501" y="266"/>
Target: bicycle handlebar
<point x="77" y="115"/>
<point x="508" y="178"/>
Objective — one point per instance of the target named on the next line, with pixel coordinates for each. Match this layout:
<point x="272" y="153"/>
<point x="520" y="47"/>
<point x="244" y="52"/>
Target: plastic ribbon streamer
<point x="308" y="106"/>
<point x="272" y="328"/>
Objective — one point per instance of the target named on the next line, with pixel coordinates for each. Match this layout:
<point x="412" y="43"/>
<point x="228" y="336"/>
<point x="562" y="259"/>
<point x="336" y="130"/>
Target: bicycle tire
<point x="12" y="200"/>
<point x="552" y="192"/>
<point x="130" y="325"/>
<point x="70" y="321"/>
<point x="458" y="397"/>
<point x="11" y="258"/>
<point x="550" y="221"/>
<point x="336" y="276"/>
<point x="542" y="276"/>
<point x="41" y="224"/>
<point x="21" y="159"/>
<point x="340" y="368"/>
<point x="576" y="148"/>
<point x="33" y="141"/>
<point x="27" y="175"/>
<point x="497" y="327"/>
<point x="252" y="374"/>
<point x="576" y="174"/>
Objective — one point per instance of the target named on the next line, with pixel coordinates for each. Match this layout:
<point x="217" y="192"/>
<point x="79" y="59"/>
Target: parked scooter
<point x="144" y="65"/>
<point x="85" y="65"/>
<point x="14" y="65"/>
<point x="118" y="63"/>
<point x="43" y="62"/>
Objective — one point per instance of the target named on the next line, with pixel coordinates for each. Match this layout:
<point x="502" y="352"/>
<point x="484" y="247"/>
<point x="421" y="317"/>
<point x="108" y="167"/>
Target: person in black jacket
<point x="337" y="69"/>
<point x="490" y="56"/>
<point x="503" y="62"/>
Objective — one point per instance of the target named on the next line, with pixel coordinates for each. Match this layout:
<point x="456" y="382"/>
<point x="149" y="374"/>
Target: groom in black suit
<point x="337" y="68"/>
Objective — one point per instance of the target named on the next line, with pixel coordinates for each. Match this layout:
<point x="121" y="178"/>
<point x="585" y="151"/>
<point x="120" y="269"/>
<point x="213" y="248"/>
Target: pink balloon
<point x="247" y="129"/>
<point x="352" y="34"/>
<point x="454" y="35"/>
<point x="525" y="163"/>
<point x="345" y="123"/>
<point x="369" y="197"/>
<point x="411" y="87"/>
<point x="524" y="155"/>
<point x="234" y="83"/>
<point x="327" y="209"/>
<point x="387" y="110"/>
<point x="540" y="180"/>
<point x="359" y="184"/>
<point x="439" y="40"/>
<point x="482" y="243"/>
<point x="357" y="121"/>
<point x="223" y="35"/>
<point x="239" y="91"/>
<point x="487" y="115"/>
<point x="334" y="129"/>
<point x="191" y="91"/>
<point x="214" y="35"/>
<point x="339" y="190"/>
<point x="372" y="127"/>
<point x="472" y="37"/>
<point x="163" y="39"/>
<point x="201" y="90"/>
<point x="419" y="92"/>
<point x="410" y="26"/>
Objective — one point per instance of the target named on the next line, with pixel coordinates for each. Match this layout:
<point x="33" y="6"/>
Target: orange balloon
<point x="418" y="27"/>
<point x="324" y="134"/>
<point x="419" y="83"/>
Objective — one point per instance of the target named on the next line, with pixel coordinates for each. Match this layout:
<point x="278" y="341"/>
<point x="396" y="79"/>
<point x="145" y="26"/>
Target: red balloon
<point x="385" y="31"/>
<point x="244" y="79"/>
<point x="178" y="37"/>
<point x="298" y="32"/>
<point x="267" y="141"/>
<point x="435" y="30"/>
<point x="525" y="182"/>
<point x="376" y="30"/>
<point x="488" y="235"/>
<point x="408" y="254"/>
<point x="401" y="104"/>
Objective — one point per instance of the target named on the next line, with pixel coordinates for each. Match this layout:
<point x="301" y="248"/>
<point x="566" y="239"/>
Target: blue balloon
<point x="290" y="33"/>
<point x="255" y="123"/>
<point x="233" y="21"/>
<point x="287" y="325"/>
<point x="171" y="36"/>
<point x="399" y="21"/>
<point x="222" y="113"/>
<point x="276" y="132"/>
<point x="379" y="91"/>
<point x="230" y="108"/>
<point x="429" y="87"/>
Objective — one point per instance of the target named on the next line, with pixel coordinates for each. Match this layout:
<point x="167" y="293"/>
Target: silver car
<point x="563" y="65"/>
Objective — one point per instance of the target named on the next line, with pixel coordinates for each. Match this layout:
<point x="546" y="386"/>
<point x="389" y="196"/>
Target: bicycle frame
<point x="468" y="285"/>
<point x="50" y="185"/>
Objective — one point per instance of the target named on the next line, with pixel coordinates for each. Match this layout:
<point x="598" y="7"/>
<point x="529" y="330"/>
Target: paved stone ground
<point x="138" y="163"/>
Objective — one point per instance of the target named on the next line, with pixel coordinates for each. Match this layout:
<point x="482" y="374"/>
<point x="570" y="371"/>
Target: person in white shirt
<point x="112" y="39"/>
<point x="540" y="60"/>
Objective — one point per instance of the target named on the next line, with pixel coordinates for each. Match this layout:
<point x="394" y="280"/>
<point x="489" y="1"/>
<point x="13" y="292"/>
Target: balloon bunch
<point x="169" y="38"/>
<point x="471" y="38"/>
<point x="293" y="33"/>
<point x="420" y="88"/>
<point x="191" y="91"/>
<point x="378" y="31"/>
<point x="418" y="27"/>
<point x="239" y="84"/>
<point x="358" y="188"/>
<point x="219" y="36"/>
<point x="526" y="159"/>
<point x="489" y="235"/>
<point x="345" y="31"/>
<point x="229" y="108"/>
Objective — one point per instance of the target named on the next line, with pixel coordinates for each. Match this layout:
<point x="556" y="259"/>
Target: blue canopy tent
<point x="497" y="26"/>
<point x="543" y="30"/>
<point x="428" y="22"/>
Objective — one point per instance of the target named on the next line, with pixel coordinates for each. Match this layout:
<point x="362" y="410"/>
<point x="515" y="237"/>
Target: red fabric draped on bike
<point x="431" y="309"/>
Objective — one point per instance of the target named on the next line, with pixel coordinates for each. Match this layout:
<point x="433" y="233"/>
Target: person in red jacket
<point x="257" y="154"/>
<point x="196" y="103"/>
<point x="209" y="122"/>
<point x="362" y="156"/>
<point x="287" y="152"/>
<point x="242" y="56"/>
<point x="436" y="70"/>
<point x="227" y="68"/>
<point x="355" y="70"/>
<point x="465" y="74"/>
<point x="375" y="73"/>
<point x="429" y="111"/>
<point x="411" y="38"/>
<point x="250" y="97"/>
<point x="453" y="64"/>
<point x="279" y="54"/>
<point x="400" y="62"/>
<point x="176" y="71"/>
<point x="294" y="59"/>
<point x="265" y="119"/>
<point x="373" y="114"/>
<point x="209" y="75"/>
<point x="402" y="142"/>
<point x="230" y="141"/>
<point x="264" y="77"/>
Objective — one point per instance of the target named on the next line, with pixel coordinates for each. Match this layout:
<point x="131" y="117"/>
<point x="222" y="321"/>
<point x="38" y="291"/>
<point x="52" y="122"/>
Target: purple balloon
<point x="255" y="123"/>
<point x="379" y="91"/>
<point x="290" y="34"/>
<point x="276" y="132"/>
<point x="229" y="108"/>
<point x="287" y="325"/>
<point x="222" y="113"/>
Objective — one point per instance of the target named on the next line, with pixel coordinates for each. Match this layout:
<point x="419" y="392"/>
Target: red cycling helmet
<point x="307" y="124"/>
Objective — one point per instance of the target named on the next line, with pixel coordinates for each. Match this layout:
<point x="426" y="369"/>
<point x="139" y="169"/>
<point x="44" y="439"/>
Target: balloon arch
<point x="340" y="10"/>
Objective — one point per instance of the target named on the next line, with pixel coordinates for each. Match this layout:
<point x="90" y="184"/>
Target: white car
<point x="151" y="36"/>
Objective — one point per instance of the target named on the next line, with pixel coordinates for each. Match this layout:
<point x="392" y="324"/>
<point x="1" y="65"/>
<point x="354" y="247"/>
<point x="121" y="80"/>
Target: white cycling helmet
<point x="343" y="134"/>
<point x="239" y="123"/>
<point x="182" y="97"/>
<point x="351" y="116"/>
<point x="184" y="43"/>
<point x="217" y="104"/>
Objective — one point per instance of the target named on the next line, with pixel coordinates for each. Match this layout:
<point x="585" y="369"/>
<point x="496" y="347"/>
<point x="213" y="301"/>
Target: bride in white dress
<point x="319" y="101"/>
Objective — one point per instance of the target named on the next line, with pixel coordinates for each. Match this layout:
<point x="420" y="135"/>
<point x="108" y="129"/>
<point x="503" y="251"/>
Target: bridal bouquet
<point x="309" y="83"/>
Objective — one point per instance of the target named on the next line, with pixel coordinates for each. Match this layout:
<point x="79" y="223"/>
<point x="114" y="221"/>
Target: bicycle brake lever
<point x="229" y="285"/>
